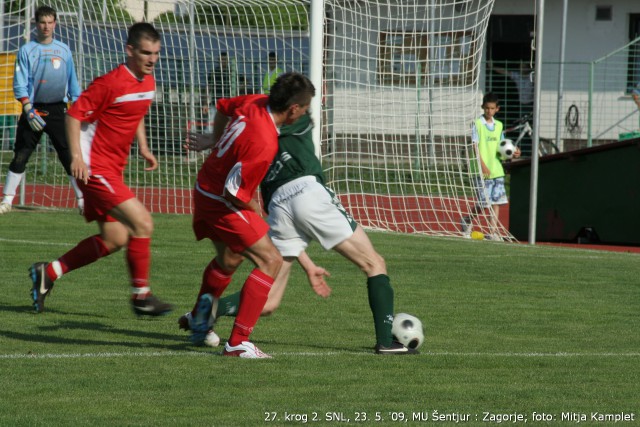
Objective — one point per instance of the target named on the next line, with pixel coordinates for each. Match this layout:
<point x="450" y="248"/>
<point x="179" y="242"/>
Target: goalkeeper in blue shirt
<point x="44" y="81"/>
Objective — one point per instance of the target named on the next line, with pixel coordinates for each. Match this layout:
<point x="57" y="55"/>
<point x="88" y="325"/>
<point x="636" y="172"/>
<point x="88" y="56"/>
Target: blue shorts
<point x="491" y="193"/>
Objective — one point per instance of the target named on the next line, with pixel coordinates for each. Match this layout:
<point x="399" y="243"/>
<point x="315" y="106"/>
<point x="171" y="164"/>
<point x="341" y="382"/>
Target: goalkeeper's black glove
<point x="35" y="121"/>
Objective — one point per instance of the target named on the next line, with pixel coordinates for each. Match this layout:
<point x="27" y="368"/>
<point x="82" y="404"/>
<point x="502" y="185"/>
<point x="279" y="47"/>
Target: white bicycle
<point x="545" y="145"/>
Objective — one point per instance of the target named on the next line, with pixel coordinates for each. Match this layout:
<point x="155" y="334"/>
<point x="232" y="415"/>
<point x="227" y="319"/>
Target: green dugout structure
<point x="591" y="195"/>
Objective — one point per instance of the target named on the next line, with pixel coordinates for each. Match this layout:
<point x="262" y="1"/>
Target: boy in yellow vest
<point x="488" y="182"/>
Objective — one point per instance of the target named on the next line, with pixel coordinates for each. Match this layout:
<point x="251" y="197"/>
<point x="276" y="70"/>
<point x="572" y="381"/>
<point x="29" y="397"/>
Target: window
<point x="604" y="13"/>
<point x="407" y="58"/>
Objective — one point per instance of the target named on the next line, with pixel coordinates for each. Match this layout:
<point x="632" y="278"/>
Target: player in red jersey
<point x="101" y="126"/>
<point x="244" y="141"/>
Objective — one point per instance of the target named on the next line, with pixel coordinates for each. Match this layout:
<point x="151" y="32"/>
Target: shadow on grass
<point x="28" y="308"/>
<point x="57" y="332"/>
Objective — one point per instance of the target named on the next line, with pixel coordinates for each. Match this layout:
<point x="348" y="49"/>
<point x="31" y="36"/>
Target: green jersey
<point x="295" y="158"/>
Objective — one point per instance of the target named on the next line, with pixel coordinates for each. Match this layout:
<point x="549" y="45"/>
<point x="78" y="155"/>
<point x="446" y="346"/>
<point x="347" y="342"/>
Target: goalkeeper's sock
<point x="253" y="297"/>
<point x="76" y="189"/>
<point x="11" y="186"/>
<point x="381" y="303"/>
<point x="139" y="262"/>
<point x="228" y="306"/>
<point x="214" y="281"/>
<point x="87" y="251"/>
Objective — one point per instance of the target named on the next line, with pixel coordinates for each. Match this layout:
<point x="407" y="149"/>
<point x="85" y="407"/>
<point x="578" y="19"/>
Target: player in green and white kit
<point x="301" y="209"/>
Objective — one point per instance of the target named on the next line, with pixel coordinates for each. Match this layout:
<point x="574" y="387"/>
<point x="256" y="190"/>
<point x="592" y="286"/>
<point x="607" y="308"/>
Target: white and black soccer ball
<point x="407" y="330"/>
<point x="506" y="149"/>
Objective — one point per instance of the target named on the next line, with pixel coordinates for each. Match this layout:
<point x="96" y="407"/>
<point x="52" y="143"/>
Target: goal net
<point x="399" y="83"/>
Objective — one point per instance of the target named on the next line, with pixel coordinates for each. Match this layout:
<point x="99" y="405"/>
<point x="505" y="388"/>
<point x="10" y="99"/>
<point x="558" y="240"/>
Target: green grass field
<point x="539" y="333"/>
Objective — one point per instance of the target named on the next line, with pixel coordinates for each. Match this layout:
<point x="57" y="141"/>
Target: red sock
<point x="214" y="281"/>
<point x="253" y="297"/>
<point x="87" y="251"/>
<point x="139" y="261"/>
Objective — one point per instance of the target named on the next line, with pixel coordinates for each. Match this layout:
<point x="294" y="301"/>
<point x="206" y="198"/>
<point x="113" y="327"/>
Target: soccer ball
<point x="407" y="329"/>
<point x="506" y="149"/>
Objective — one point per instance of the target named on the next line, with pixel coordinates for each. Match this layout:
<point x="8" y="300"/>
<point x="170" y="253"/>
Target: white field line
<point x="33" y="242"/>
<point x="110" y="355"/>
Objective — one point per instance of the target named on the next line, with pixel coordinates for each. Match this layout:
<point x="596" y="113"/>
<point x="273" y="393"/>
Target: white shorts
<point x="304" y="210"/>
<point x="490" y="191"/>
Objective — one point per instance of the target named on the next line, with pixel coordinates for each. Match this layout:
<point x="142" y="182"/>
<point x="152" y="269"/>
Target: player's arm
<point x="475" y="144"/>
<point x="22" y="87"/>
<point x="72" y="85"/>
<point x="79" y="169"/>
<point x="315" y="274"/>
<point x="21" y="77"/>
<point x="200" y="142"/>
<point x="143" y="146"/>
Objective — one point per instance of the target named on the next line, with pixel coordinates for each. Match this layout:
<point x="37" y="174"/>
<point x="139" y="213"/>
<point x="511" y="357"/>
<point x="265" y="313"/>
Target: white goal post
<point x="398" y="82"/>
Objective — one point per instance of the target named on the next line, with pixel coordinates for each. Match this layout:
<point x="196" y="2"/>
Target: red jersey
<point x="113" y="105"/>
<point x="241" y="158"/>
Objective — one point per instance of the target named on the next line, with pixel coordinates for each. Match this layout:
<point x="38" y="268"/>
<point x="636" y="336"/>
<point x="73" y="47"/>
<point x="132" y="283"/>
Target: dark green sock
<point x="381" y="303"/>
<point x="228" y="306"/>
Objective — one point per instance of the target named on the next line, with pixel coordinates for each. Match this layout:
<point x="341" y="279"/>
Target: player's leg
<point x="318" y="214"/>
<point x="359" y="250"/>
<point x="25" y="143"/>
<point x="216" y="277"/>
<point x="218" y="273"/>
<point x="55" y="129"/>
<point x="494" y="219"/>
<point x="136" y="218"/>
<point x="466" y="222"/>
<point x="497" y="196"/>
<point x="228" y="306"/>
<point x="112" y="237"/>
<point x="253" y="296"/>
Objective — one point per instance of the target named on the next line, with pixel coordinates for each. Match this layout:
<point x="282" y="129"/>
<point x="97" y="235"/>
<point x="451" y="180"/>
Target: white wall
<point x="587" y="39"/>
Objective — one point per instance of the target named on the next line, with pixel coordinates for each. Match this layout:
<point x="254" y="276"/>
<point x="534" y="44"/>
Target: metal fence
<point x="595" y="106"/>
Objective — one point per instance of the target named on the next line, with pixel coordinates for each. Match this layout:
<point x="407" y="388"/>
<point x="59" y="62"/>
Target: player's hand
<point x="517" y="153"/>
<point x="485" y="170"/>
<point x="79" y="170"/>
<point x="35" y="121"/>
<point x="316" y="277"/>
<point x="198" y="142"/>
<point x="151" y="160"/>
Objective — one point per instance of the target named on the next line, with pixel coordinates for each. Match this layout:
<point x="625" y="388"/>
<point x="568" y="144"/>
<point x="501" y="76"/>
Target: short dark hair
<point x="491" y="97"/>
<point x="142" y="30"/>
<point x="272" y="55"/>
<point x="45" y="11"/>
<point x="289" y="89"/>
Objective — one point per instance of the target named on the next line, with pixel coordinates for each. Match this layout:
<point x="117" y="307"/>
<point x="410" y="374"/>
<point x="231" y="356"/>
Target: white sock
<point x="11" y="185"/>
<point x="76" y="189"/>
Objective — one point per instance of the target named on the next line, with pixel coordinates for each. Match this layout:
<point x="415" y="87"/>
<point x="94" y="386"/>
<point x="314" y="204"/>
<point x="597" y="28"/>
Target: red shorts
<point x="101" y="194"/>
<point x="238" y="228"/>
